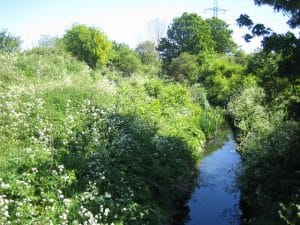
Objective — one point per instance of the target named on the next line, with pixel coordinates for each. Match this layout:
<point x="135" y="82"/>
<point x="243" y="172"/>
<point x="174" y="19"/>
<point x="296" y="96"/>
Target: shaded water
<point x="216" y="199"/>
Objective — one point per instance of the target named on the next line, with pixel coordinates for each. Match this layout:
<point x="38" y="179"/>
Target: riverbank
<point x="83" y="145"/>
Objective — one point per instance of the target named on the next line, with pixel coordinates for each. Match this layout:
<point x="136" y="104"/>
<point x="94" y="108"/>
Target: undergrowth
<point x="82" y="146"/>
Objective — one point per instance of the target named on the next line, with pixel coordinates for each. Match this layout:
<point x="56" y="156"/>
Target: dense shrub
<point x="79" y="147"/>
<point x="185" y="68"/>
<point x="221" y="35"/>
<point x="8" y="69"/>
<point x="87" y="44"/>
<point x="265" y="67"/>
<point x="270" y="148"/>
<point x="125" y="60"/>
<point x="223" y="78"/>
<point x="249" y="113"/>
<point x="147" y="53"/>
<point x="48" y="62"/>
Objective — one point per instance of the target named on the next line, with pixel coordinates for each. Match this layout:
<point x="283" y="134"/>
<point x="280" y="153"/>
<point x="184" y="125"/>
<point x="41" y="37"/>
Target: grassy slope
<point x="79" y="146"/>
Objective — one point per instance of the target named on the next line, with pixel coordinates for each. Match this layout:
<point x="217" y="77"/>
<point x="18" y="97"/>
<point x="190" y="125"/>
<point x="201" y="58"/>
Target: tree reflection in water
<point x="216" y="199"/>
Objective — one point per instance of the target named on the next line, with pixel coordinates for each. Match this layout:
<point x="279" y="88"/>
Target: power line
<point x="216" y="9"/>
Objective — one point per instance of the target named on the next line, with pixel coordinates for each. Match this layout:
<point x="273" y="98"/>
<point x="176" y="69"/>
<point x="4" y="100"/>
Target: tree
<point x="88" y="44"/>
<point x="256" y="30"/>
<point x="291" y="8"/>
<point x="288" y="7"/>
<point x="188" y="33"/>
<point x="125" y="59"/>
<point x="147" y="52"/>
<point x="221" y="35"/>
<point x="287" y="45"/>
<point x="185" y="67"/>
<point x="265" y="66"/>
<point x="271" y="165"/>
<point x="9" y="42"/>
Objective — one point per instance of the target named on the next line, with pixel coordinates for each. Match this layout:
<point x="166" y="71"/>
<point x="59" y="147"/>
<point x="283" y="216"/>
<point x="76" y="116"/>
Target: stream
<point x="215" y="201"/>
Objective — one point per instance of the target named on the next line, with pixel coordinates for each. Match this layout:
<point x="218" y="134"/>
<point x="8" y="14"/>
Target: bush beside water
<point x="81" y="147"/>
<point x="269" y="143"/>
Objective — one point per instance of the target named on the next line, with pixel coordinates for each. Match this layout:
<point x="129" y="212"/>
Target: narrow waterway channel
<point x="215" y="201"/>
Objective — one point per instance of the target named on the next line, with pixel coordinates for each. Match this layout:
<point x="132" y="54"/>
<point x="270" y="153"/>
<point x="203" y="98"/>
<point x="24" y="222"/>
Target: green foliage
<point x="288" y="46"/>
<point x="223" y="78"/>
<point x="125" y="59"/>
<point x="269" y="145"/>
<point x="8" y="70"/>
<point x="87" y="44"/>
<point x="269" y="135"/>
<point x="255" y="29"/>
<point x="185" y="68"/>
<point x="240" y="57"/>
<point x="284" y="50"/>
<point x="211" y="120"/>
<point x="199" y="95"/>
<point x="244" y="20"/>
<point x="147" y="53"/>
<point x="9" y="42"/>
<point x="188" y="33"/>
<point x="247" y="110"/>
<point x="221" y="35"/>
<point x="48" y="62"/>
<point x="133" y="148"/>
<point x="41" y="63"/>
<point x="78" y="147"/>
<point x="265" y="67"/>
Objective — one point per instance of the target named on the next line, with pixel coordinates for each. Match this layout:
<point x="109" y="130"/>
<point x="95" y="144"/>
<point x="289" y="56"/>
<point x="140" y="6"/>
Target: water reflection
<point x="216" y="199"/>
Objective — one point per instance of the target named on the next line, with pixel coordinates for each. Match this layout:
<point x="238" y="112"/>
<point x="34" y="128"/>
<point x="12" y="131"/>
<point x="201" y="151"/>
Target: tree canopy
<point x="194" y="35"/>
<point x="188" y="33"/>
<point x="221" y="35"/>
<point x="185" y="68"/>
<point x="125" y="59"/>
<point x="288" y="7"/>
<point x="147" y="52"/>
<point x="287" y="45"/>
<point x="88" y="44"/>
<point x="269" y="181"/>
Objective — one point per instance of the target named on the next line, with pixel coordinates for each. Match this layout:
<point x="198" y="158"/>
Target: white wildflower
<point x="4" y="186"/>
<point x="106" y="211"/>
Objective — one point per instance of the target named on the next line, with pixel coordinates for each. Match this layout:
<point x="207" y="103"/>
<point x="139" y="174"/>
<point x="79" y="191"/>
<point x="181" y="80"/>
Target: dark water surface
<point x="216" y="199"/>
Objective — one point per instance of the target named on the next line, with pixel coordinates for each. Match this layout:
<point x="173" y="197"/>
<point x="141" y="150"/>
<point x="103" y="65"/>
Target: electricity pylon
<point x="216" y="9"/>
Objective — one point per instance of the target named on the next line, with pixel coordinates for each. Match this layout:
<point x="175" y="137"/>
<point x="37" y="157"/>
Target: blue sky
<point x="123" y="20"/>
